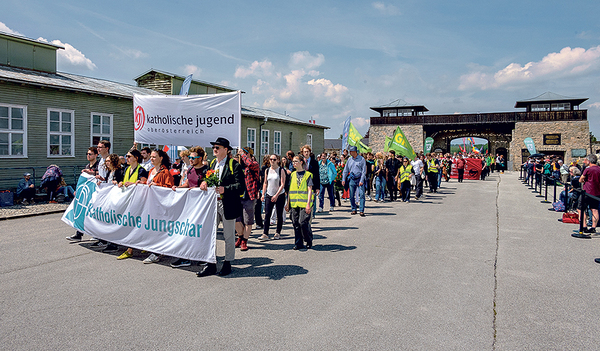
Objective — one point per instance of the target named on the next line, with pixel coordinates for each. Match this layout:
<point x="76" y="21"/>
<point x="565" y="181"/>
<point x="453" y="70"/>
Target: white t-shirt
<point x="102" y="169"/>
<point x="274" y="181"/>
<point x="417" y="166"/>
<point x="147" y="165"/>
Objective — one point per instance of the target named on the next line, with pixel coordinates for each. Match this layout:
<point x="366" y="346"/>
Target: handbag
<point x="6" y="198"/>
<point x="558" y="206"/>
<point x="570" y="217"/>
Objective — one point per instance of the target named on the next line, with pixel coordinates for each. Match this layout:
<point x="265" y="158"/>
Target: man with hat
<point x="26" y="189"/>
<point x="355" y="173"/>
<point x="229" y="206"/>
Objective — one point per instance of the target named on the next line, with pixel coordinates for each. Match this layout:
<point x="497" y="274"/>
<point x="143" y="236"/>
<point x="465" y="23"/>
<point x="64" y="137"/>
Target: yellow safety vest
<point x="134" y="176"/>
<point x="405" y="173"/>
<point x="299" y="194"/>
<point x="431" y="166"/>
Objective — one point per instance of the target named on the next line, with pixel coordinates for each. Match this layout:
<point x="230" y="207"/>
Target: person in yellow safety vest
<point x="299" y="203"/>
<point x="433" y="168"/>
<point x="405" y="172"/>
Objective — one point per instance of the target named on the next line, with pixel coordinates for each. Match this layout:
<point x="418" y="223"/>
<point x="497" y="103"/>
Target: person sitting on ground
<point x="26" y="189"/>
<point x="66" y="190"/>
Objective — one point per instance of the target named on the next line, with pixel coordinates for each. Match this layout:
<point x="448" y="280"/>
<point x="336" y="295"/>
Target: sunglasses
<point x="273" y="159"/>
<point x="194" y="157"/>
<point x="90" y="153"/>
<point x="216" y="147"/>
<point x="128" y="156"/>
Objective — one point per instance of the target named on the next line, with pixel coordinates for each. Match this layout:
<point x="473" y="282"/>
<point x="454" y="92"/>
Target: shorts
<point x="247" y="217"/>
<point x="592" y="203"/>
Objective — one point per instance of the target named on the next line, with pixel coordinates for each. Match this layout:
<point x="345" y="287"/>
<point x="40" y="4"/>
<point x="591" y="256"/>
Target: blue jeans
<point x="329" y="188"/>
<point x="379" y="188"/>
<point x="361" y="193"/>
<point x="440" y="176"/>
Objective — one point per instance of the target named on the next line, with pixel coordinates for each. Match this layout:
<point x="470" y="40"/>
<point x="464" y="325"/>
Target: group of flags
<point x="398" y="142"/>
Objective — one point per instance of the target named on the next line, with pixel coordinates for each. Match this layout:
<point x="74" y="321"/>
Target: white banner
<point x="178" y="223"/>
<point x="187" y="120"/>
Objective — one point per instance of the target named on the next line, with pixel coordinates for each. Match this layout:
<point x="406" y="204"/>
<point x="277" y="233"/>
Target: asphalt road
<point x="478" y="266"/>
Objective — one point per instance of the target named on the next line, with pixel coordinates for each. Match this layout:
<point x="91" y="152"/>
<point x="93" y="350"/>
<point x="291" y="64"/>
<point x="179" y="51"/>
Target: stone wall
<point x="414" y="134"/>
<point x="574" y="135"/>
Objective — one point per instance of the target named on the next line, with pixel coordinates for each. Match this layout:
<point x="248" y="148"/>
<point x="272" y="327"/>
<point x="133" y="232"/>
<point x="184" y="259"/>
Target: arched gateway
<point x="554" y="122"/>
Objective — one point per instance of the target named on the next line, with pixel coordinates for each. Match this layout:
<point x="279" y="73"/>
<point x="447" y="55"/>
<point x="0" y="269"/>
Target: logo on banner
<point x="83" y="196"/>
<point x="139" y="118"/>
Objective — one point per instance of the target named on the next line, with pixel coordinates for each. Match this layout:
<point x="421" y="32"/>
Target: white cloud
<point x="566" y="63"/>
<point x="4" y="28"/>
<point x="304" y="60"/>
<point x="70" y="57"/>
<point x="263" y="68"/>
<point x="360" y="122"/>
<point x="595" y="105"/>
<point x="192" y="69"/>
<point x="386" y="9"/>
<point x="297" y="89"/>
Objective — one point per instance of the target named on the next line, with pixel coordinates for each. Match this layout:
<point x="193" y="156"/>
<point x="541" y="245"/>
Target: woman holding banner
<point x="159" y="176"/>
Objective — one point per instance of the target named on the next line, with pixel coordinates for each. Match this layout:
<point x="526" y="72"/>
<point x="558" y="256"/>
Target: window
<point x="264" y="143"/>
<point x="101" y="128"/>
<point x="309" y="140"/>
<point x="13" y="131"/>
<point x="251" y="138"/>
<point x="60" y="132"/>
<point x="565" y="106"/>
<point x="540" y="107"/>
<point x="277" y="142"/>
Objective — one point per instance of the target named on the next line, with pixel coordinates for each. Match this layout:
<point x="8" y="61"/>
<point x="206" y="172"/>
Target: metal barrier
<point x="10" y="176"/>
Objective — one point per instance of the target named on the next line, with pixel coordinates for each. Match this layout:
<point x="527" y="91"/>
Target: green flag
<point x="354" y="139"/>
<point x="386" y="146"/>
<point x="401" y="145"/>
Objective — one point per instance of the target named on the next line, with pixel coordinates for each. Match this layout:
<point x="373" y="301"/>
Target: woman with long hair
<point x="299" y="203"/>
<point x="273" y="194"/>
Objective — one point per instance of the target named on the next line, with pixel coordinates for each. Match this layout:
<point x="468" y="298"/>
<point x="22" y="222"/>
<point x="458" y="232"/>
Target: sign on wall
<point x="551" y="139"/>
<point x="187" y="120"/>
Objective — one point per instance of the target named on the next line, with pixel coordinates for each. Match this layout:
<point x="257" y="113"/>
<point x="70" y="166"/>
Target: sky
<point x="328" y="60"/>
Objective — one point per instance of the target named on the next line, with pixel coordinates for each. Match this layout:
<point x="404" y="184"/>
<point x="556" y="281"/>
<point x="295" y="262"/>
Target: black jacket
<point x="234" y="185"/>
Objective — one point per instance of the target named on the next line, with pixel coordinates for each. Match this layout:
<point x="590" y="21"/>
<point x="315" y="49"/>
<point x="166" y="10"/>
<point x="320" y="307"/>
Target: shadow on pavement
<point x="317" y="230"/>
<point x="332" y="248"/>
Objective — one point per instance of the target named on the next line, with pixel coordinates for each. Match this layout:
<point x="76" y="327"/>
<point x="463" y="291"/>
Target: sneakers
<point x="238" y="242"/>
<point x="263" y="237"/>
<point x="98" y="244"/>
<point x="320" y="209"/>
<point x="125" y="255"/>
<point x="589" y="230"/>
<point x="110" y="248"/>
<point x="151" y="259"/>
<point x="74" y="237"/>
<point x="25" y="202"/>
<point x="244" y="245"/>
<point x="277" y="236"/>
<point x="180" y="262"/>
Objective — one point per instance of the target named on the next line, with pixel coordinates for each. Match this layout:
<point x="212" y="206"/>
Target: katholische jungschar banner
<point x="187" y="120"/>
<point x="178" y="223"/>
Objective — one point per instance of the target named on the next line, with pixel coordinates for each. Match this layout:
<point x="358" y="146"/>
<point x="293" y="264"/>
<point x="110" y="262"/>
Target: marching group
<point x="296" y="184"/>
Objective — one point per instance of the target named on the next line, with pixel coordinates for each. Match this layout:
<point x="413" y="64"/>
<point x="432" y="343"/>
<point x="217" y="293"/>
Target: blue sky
<point x="333" y="59"/>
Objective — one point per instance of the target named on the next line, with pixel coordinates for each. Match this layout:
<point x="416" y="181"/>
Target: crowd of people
<point x="292" y="186"/>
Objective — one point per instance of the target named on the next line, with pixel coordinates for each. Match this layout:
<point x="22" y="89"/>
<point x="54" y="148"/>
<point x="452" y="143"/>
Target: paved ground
<point x="479" y="266"/>
<point x="19" y="211"/>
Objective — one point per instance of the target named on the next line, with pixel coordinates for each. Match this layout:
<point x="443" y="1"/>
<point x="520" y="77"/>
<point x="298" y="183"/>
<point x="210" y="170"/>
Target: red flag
<point x="166" y="148"/>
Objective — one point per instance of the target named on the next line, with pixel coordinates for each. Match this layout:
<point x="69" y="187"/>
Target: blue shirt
<point x="356" y="168"/>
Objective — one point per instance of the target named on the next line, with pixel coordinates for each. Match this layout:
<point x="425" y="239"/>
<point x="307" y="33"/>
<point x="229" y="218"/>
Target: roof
<point x="400" y="104"/>
<point x="72" y="82"/>
<point x="550" y="97"/>
<point x="262" y="113"/>
<point x="183" y="78"/>
<point x="21" y="38"/>
<point x="337" y="143"/>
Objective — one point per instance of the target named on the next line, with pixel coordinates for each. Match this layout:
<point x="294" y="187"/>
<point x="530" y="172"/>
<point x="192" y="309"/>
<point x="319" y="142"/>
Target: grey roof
<point x="73" y="82"/>
<point x="550" y="97"/>
<point x="32" y="41"/>
<point x="399" y="103"/>
<point x="183" y="78"/>
<point x="262" y="113"/>
<point x="335" y="144"/>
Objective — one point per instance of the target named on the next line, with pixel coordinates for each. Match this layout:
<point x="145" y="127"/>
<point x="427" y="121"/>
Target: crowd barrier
<point x="539" y="183"/>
